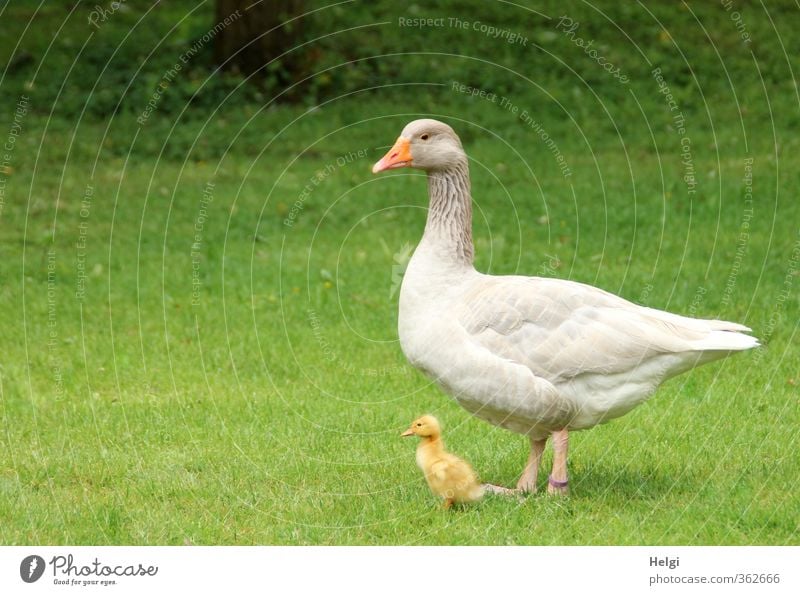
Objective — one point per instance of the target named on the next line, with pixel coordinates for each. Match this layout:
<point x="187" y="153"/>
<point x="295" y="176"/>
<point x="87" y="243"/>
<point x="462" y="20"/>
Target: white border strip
<point x="389" y="570"/>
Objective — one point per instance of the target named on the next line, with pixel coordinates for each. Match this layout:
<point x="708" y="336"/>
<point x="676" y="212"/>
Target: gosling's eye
<point x="424" y="137"/>
<point x="419" y="425"/>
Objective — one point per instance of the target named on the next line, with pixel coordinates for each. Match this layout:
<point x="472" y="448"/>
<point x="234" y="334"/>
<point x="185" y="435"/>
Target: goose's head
<point x="425" y="144"/>
<point x="426" y="426"/>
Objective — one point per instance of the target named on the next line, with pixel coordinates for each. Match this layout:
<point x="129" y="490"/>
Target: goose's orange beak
<point x="408" y="432"/>
<point x="398" y="156"/>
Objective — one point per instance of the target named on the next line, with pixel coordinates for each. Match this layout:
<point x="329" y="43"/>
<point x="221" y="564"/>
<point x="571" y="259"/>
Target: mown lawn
<point x="228" y="371"/>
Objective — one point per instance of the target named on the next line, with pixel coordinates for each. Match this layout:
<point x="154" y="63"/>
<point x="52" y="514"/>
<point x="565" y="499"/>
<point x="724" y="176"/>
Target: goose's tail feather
<point x="724" y="325"/>
<point x="726" y="340"/>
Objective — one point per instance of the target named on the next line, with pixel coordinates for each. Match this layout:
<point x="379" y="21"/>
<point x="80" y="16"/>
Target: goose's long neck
<point x="449" y="226"/>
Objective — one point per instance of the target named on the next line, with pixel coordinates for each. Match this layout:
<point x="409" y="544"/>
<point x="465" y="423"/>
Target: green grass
<point x="264" y="405"/>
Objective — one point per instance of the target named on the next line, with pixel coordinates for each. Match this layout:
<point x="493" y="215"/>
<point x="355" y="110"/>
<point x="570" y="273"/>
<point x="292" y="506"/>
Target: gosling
<point x="448" y="476"/>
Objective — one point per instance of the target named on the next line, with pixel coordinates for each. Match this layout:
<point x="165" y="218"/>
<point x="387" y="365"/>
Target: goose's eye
<point x="419" y="425"/>
<point x="424" y="137"/>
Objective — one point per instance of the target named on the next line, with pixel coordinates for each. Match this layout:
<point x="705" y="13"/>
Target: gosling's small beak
<point x="398" y="156"/>
<point x="408" y="432"/>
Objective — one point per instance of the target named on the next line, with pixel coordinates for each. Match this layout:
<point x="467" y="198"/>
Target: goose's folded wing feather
<point x="561" y="329"/>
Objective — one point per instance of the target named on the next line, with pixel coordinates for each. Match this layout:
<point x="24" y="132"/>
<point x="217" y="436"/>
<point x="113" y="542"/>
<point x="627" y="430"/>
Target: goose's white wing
<point x="562" y="329"/>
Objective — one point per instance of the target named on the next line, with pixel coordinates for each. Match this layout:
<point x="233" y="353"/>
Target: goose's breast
<point x="423" y="327"/>
<point x="429" y="295"/>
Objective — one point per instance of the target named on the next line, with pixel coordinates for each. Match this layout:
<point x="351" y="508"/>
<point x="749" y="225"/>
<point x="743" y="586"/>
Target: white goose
<point x="533" y="355"/>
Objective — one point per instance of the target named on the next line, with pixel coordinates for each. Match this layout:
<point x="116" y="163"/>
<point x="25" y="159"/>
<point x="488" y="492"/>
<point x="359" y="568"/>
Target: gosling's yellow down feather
<point x="448" y="476"/>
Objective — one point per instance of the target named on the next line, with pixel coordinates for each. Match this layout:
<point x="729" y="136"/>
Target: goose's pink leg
<point x="557" y="482"/>
<point x="495" y="489"/>
<point x="527" y="482"/>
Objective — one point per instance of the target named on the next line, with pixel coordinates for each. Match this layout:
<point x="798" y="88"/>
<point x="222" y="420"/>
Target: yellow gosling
<point x="448" y="476"/>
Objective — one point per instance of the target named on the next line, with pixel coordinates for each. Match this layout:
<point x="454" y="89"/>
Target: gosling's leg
<point x="557" y="482"/>
<point x="448" y="503"/>
<point x="527" y="482"/>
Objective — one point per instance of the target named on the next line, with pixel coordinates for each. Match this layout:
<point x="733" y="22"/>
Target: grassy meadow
<point x="199" y="339"/>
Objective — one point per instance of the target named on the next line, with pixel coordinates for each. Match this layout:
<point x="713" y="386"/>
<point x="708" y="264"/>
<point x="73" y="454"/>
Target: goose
<point x="448" y="476"/>
<point x="537" y="356"/>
